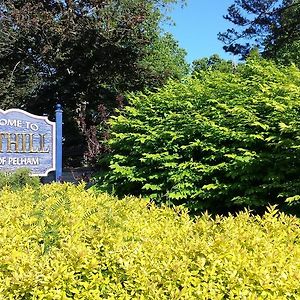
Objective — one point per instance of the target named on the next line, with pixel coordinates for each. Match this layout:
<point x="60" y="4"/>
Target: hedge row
<point x="214" y="141"/>
<point x="63" y="242"/>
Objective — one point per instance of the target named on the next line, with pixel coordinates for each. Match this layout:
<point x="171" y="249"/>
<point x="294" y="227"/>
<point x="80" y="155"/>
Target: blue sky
<point x="197" y="26"/>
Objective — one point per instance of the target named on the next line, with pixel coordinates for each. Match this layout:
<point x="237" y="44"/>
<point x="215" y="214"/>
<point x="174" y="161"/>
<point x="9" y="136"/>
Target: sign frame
<point x="53" y="135"/>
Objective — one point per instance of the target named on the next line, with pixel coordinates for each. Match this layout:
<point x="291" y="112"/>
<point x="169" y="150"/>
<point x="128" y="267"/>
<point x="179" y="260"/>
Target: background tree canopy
<point x="213" y="63"/>
<point x="84" y="54"/>
<point x="272" y="26"/>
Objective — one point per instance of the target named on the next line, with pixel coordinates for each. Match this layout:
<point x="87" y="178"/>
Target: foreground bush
<point x="214" y="141"/>
<point x="62" y="242"/>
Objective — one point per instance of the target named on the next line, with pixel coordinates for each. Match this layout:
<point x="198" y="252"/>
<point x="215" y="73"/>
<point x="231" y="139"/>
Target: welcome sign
<point x="27" y="141"/>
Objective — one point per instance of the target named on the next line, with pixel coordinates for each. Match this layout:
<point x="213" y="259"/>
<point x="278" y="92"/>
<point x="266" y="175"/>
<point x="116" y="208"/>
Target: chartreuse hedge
<point x="213" y="141"/>
<point x="63" y="242"/>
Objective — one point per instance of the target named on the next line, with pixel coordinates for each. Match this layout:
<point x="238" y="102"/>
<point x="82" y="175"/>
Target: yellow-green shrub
<point x="63" y="242"/>
<point x="218" y="141"/>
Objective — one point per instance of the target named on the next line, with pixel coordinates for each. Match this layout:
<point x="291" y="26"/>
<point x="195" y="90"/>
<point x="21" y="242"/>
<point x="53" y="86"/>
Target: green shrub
<point x="212" y="141"/>
<point x="18" y="179"/>
<point x="63" y="242"/>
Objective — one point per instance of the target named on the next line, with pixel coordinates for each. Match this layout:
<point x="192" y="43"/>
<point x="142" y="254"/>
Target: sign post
<point x="58" y="119"/>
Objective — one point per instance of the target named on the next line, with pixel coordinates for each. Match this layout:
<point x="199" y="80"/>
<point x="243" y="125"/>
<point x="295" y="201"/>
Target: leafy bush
<point x="63" y="242"/>
<point x="214" y="141"/>
<point x="18" y="179"/>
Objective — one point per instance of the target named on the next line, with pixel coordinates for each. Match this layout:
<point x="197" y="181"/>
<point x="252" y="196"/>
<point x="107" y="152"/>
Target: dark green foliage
<point x="273" y="26"/>
<point x="213" y="63"/>
<point x="18" y="179"/>
<point x="219" y="140"/>
<point x="84" y="54"/>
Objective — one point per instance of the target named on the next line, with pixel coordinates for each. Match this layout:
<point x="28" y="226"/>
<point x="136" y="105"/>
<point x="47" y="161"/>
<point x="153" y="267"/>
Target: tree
<point x="213" y="63"/>
<point x="272" y="26"/>
<point x="165" y="60"/>
<point x="85" y="54"/>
